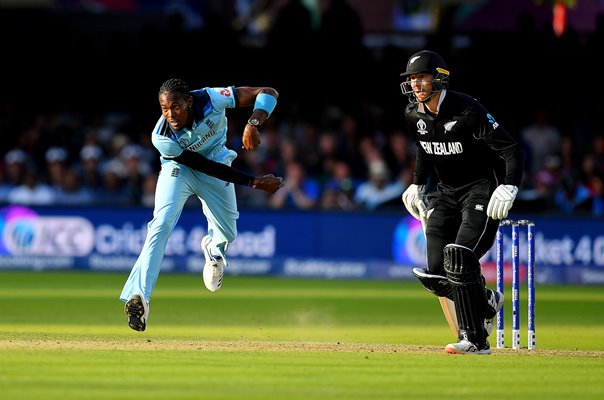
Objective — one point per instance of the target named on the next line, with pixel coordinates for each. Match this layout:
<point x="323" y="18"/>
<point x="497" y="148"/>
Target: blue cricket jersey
<point x="209" y="132"/>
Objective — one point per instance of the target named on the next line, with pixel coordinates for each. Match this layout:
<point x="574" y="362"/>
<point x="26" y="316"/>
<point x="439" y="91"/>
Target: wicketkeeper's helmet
<point x="426" y="61"/>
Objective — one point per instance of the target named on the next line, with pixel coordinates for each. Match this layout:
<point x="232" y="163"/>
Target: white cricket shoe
<point x="137" y="310"/>
<point x="466" y="347"/>
<point x="213" y="269"/>
<point x="495" y="302"/>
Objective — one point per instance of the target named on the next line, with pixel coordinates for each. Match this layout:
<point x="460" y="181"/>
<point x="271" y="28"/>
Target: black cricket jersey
<point x="462" y="144"/>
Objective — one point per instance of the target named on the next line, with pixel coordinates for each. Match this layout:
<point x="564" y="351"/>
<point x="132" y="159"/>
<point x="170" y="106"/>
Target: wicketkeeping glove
<point x="501" y="201"/>
<point x="412" y="198"/>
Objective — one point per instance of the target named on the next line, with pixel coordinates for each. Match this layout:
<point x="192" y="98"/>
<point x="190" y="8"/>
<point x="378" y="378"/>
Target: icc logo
<point x="49" y="236"/>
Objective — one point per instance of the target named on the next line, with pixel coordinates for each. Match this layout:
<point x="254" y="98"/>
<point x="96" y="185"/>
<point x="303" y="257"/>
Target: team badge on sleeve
<point x="492" y="121"/>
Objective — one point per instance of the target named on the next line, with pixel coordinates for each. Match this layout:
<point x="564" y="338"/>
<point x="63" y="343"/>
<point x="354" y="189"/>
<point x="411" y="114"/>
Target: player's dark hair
<point x="175" y="86"/>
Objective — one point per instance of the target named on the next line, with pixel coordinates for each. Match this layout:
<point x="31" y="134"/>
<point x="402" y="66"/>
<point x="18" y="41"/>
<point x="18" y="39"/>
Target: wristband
<point x="265" y="102"/>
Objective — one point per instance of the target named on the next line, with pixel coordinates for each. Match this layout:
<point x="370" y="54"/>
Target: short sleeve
<point x="222" y="97"/>
<point x="165" y="141"/>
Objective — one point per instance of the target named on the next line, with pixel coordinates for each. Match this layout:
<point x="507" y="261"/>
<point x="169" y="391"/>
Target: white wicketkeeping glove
<point x="412" y="198"/>
<point x="501" y="201"/>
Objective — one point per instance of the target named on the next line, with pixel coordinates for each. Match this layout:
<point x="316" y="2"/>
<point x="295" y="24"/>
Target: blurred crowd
<point x="68" y="160"/>
<point x="65" y="159"/>
<point x="339" y="143"/>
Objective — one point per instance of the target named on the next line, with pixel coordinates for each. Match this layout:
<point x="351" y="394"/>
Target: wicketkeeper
<point x="477" y="166"/>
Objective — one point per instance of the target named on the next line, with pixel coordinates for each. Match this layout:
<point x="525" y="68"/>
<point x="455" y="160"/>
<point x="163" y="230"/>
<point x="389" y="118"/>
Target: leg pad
<point x="469" y="293"/>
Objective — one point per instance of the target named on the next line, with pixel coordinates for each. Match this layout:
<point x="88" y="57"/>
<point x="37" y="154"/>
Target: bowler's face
<point x="175" y="110"/>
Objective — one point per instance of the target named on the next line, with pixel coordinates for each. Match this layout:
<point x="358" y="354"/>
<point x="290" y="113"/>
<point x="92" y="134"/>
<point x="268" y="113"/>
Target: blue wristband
<point x="265" y="102"/>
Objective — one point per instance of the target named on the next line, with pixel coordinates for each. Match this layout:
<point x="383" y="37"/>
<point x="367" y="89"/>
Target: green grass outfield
<point x="63" y="335"/>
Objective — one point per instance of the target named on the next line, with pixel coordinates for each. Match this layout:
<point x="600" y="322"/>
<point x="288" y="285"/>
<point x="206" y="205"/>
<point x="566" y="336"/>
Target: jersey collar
<point x="422" y="109"/>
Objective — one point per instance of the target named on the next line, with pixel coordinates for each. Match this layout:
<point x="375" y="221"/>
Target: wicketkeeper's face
<point x="175" y="109"/>
<point x="421" y="84"/>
